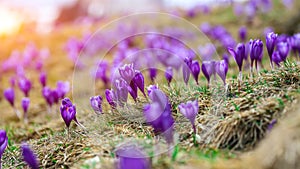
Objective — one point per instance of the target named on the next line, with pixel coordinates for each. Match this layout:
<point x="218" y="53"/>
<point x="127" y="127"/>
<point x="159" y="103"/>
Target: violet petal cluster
<point x="25" y="85"/>
<point x="96" y="103"/>
<point x="190" y="110"/>
<point x="29" y="157"/>
<point x="9" y="95"/>
<point x="222" y="69"/>
<point x="238" y="54"/>
<point x="68" y="111"/>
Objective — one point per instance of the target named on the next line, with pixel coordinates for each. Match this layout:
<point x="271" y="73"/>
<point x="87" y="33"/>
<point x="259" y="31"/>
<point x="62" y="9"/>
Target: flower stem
<point x="17" y="112"/>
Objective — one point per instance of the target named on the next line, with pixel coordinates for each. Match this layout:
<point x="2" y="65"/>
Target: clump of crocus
<point x="96" y="103"/>
<point x="195" y="69"/>
<point x="110" y="97"/>
<point x="221" y="68"/>
<point x="3" y="143"/>
<point x="239" y="55"/>
<point x="256" y="53"/>
<point x="43" y="79"/>
<point x="158" y="114"/>
<point x="208" y="68"/>
<point x="25" y="86"/>
<point x="169" y="75"/>
<point x="186" y="69"/>
<point x="190" y="110"/>
<point x="29" y="157"/>
<point x="25" y="105"/>
<point x="270" y="43"/>
<point x="68" y="113"/>
<point x="9" y="95"/>
<point x="132" y="157"/>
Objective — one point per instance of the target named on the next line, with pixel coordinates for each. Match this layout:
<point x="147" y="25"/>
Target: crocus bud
<point x="68" y="111"/>
<point x="43" y="79"/>
<point x="186" y="69"/>
<point x="110" y="97"/>
<point x="139" y="81"/>
<point x="62" y="88"/>
<point x="195" y="69"/>
<point x="12" y="81"/>
<point x="127" y="72"/>
<point x="9" y="95"/>
<point x="131" y="157"/>
<point x="29" y="157"/>
<point x="3" y="143"/>
<point x="25" y="86"/>
<point x="243" y="33"/>
<point x="283" y="49"/>
<point x="169" y="74"/>
<point x="48" y="95"/>
<point x="96" y="103"/>
<point x="256" y="51"/>
<point x="208" y="68"/>
<point x="270" y="43"/>
<point x="238" y="54"/>
<point x="25" y="105"/>
<point x="121" y="91"/>
<point x="276" y="58"/>
<point x="190" y="111"/>
<point x="222" y="69"/>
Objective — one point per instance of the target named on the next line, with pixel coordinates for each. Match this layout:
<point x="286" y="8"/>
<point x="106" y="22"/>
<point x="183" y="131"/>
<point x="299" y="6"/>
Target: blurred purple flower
<point x="169" y="74"/>
<point x="3" y="143"/>
<point x="283" y="49"/>
<point x="121" y="91"/>
<point x="195" y="69"/>
<point x="205" y="28"/>
<point x="243" y="33"/>
<point x="29" y="157"/>
<point x="294" y="42"/>
<point x="25" y="86"/>
<point x="158" y="114"/>
<point x="62" y="88"/>
<point x="276" y="58"/>
<point x="190" y="110"/>
<point x="151" y="88"/>
<point x="139" y="81"/>
<point x="96" y="103"/>
<point x="48" y="95"/>
<point x="186" y="69"/>
<point x="110" y="97"/>
<point x="206" y="51"/>
<point x="101" y="72"/>
<point x="133" y="90"/>
<point x="152" y="73"/>
<point x="222" y="69"/>
<point x="25" y="105"/>
<point x="131" y="157"/>
<point x="12" y="81"/>
<point x="288" y="3"/>
<point x="43" y="79"/>
<point x="9" y="95"/>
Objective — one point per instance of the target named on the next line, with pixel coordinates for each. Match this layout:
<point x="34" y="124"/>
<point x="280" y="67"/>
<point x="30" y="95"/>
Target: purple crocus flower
<point x="43" y="79"/>
<point x="283" y="49"/>
<point x="186" y="69"/>
<point x="208" y="68"/>
<point x="96" y="103"/>
<point x="276" y="58"/>
<point x="195" y="69"/>
<point x="121" y="91"/>
<point x="62" y="88"/>
<point x="48" y="95"/>
<point x="25" y="105"/>
<point x="3" y="143"/>
<point x="169" y="74"/>
<point x="158" y="114"/>
<point x="243" y="33"/>
<point x="294" y="42"/>
<point x="29" y="157"/>
<point x="151" y="88"/>
<point x="222" y="69"/>
<point x="139" y="81"/>
<point x="68" y="111"/>
<point x="239" y="55"/>
<point x="131" y="157"/>
<point x="9" y="95"/>
<point x="127" y="72"/>
<point x="133" y="90"/>
<point x="55" y="95"/>
<point x="190" y="110"/>
<point x="270" y="43"/>
<point x="256" y="51"/>
<point x="110" y="97"/>
<point x="25" y="86"/>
